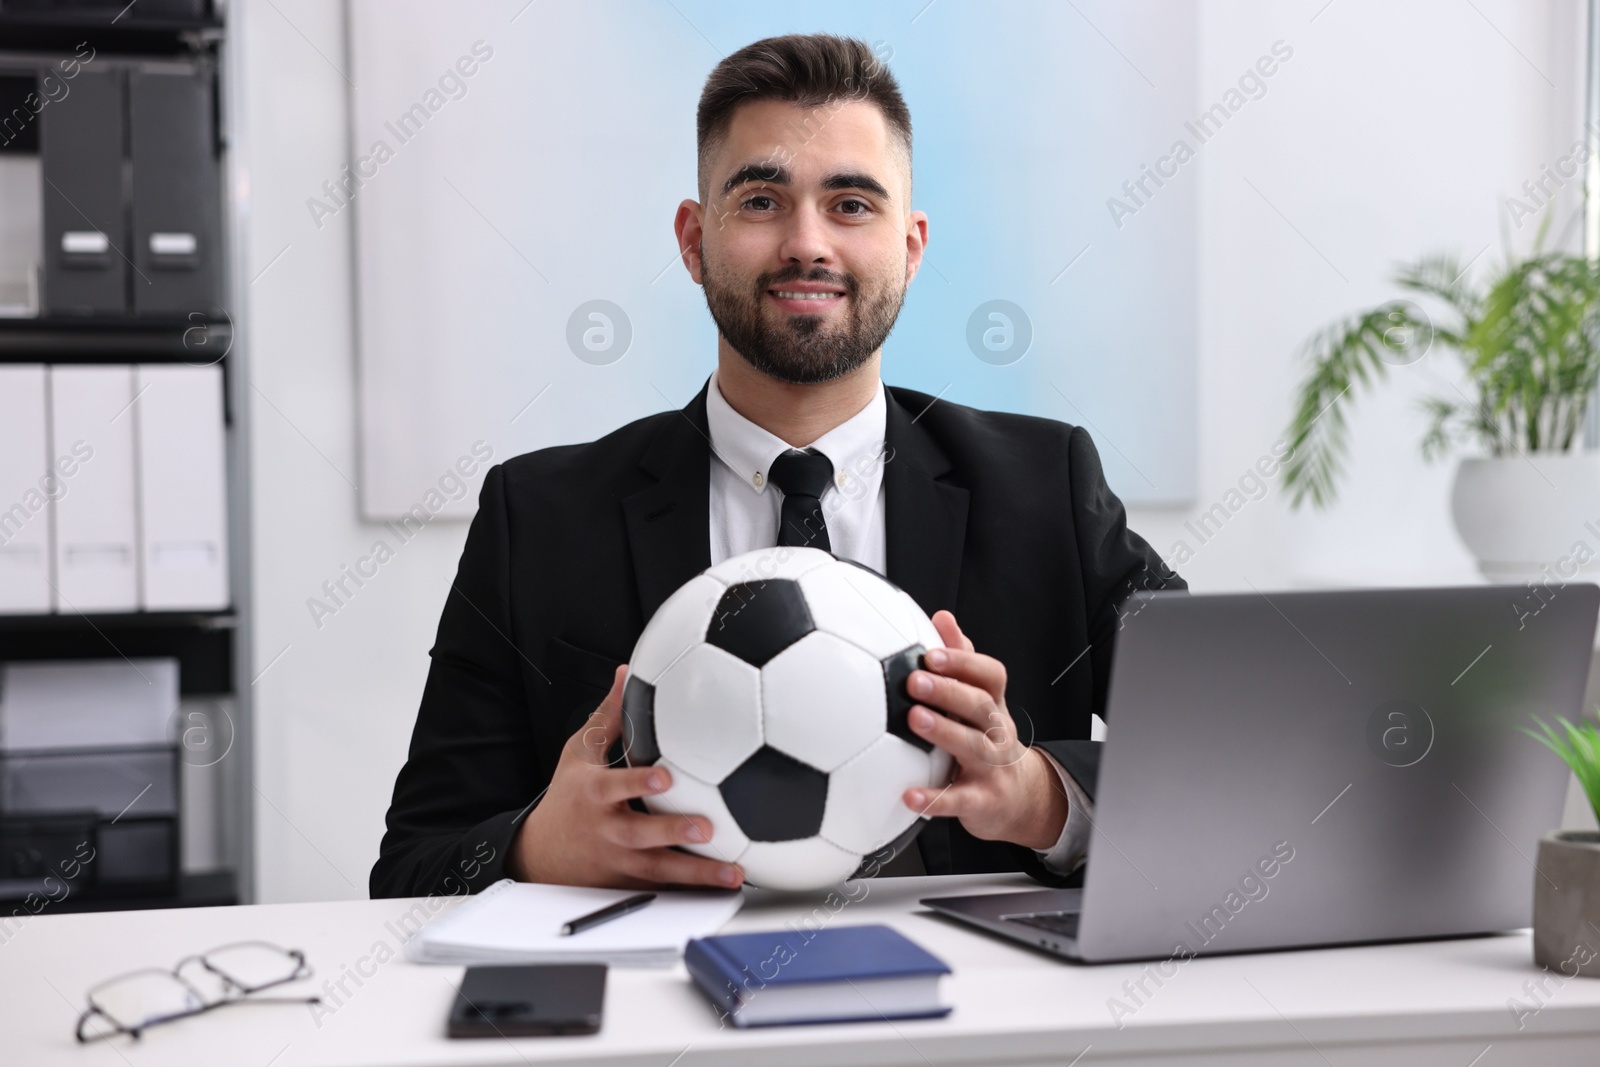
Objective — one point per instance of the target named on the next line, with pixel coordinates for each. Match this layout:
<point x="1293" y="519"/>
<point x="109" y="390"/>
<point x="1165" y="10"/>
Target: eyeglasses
<point x="227" y="975"/>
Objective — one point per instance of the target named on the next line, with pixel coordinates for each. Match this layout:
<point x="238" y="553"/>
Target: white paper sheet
<point x="520" y="922"/>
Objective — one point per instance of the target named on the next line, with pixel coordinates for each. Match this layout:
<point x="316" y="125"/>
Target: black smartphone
<point x="529" y="1001"/>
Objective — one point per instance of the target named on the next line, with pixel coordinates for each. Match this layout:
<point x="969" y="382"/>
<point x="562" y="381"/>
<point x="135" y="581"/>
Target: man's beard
<point x="801" y="349"/>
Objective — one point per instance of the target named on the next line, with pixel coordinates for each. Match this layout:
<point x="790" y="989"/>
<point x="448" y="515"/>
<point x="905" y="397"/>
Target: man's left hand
<point x="1003" y="790"/>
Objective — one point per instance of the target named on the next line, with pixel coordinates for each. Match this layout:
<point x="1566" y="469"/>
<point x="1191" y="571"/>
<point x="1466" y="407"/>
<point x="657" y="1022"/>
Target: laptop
<point x="1296" y="769"/>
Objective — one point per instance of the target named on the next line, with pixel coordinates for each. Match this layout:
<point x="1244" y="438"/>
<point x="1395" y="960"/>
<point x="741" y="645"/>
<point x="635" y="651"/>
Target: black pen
<point x="606" y="914"/>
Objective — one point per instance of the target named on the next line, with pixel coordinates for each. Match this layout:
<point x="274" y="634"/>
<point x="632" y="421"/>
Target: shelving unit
<point x="120" y="28"/>
<point x="214" y="707"/>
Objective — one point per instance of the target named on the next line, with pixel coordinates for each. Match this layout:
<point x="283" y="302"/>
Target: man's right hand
<point x="584" y="833"/>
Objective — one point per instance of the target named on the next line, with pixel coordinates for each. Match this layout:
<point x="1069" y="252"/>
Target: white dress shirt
<point x="744" y="517"/>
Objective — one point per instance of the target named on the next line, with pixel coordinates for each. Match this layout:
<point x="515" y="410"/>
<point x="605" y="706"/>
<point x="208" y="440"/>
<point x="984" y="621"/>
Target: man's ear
<point x="689" y="226"/>
<point x="916" y="241"/>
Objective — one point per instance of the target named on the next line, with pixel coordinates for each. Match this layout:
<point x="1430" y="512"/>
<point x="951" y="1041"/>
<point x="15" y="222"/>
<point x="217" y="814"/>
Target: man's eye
<point x="862" y="204"/>
<point x="758" y="201"/>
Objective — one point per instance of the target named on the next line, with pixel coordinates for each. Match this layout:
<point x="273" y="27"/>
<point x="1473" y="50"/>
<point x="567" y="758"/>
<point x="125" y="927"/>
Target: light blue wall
<point x="576" y="141"/>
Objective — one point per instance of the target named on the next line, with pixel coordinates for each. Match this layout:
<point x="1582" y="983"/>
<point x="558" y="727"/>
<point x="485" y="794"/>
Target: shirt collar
<point x="748" y="449"/>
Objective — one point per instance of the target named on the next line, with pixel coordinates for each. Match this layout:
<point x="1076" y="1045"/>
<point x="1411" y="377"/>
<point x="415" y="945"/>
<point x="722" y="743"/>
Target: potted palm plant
<point x="1566" y="889"/>
<point x="1529" y="507"/>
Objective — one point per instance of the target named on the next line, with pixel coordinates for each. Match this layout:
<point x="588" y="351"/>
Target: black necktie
<point x="803" y="476"/>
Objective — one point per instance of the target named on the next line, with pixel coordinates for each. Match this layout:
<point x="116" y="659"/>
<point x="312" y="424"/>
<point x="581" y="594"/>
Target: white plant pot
<point x="1531" y="517"/>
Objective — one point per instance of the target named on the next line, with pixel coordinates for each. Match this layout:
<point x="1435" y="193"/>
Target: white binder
<point x="88" y="703"/>
<point x="25" y="491"/>
<point x="96" y="537"/>
<point x="182" y="508"/>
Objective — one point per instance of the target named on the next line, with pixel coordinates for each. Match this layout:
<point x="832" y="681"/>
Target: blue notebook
<point x="844" y="974"/>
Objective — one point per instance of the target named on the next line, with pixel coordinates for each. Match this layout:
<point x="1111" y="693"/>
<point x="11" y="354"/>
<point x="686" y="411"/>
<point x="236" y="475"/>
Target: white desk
<point x="1421" y="1004"/>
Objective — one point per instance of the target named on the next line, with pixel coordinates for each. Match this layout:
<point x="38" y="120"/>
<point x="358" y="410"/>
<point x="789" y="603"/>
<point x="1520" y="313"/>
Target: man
<point x="804" y="243"/>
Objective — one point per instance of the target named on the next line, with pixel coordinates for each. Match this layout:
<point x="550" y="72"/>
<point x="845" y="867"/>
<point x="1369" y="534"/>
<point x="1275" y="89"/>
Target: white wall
<point x="333" y="715"/>
<point x="1393" y="131"/>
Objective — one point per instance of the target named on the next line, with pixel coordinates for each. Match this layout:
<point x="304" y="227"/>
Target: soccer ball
<point x="773" y="687"/>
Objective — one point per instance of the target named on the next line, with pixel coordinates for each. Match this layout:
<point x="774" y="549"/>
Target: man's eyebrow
<point x="856" y="180"/>
<point x="772" y="174"/>
<point x="762" y="173"/>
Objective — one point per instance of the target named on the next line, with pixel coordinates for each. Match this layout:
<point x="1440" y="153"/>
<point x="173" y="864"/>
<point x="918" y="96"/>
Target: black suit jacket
<point x="1004" y="519"/>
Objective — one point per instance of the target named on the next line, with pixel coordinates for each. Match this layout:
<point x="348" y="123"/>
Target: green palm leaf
<point x="1528" y="339"/>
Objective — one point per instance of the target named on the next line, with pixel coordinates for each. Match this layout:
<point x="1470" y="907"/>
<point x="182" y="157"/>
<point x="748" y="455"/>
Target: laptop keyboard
<point x="1061" y="923"/>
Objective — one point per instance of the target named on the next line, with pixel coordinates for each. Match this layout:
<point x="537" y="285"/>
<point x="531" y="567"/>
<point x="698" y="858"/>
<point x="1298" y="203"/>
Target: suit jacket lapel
<point x="926" y="520"/>
<point x="669" y="522"/>
<point x="925" y="531"/>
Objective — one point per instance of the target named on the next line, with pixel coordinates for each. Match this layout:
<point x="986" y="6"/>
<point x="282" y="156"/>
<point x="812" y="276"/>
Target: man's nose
<point x="806" y="241"/>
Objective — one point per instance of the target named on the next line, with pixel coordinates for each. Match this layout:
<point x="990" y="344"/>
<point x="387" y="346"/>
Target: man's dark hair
<point x="810" y="70"/>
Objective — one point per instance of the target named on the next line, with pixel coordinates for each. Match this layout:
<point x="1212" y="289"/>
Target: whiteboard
<point x="492" y="209"/>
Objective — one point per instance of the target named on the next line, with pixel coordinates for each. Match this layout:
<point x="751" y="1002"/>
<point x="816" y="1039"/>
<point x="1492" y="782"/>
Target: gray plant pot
<point x="1566" y="903"/>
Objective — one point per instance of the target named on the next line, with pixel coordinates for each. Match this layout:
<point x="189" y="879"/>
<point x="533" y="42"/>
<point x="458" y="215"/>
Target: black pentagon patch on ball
<point x="757" y="620"/>
<point x="876" y="574"/>
<point x="639" y="722"/>
<point x="874" y="862"/>
<point x="896" y="669"/>
<point x="862" y="566"/>
<point x="775" y="797"/>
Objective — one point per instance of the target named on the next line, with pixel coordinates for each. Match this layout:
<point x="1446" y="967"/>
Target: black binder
<point x="175" y="181"/>
<point x="81" y="163"/>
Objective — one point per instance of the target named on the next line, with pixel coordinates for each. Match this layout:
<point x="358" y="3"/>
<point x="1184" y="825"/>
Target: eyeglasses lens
<point x="140" y="1000"/>
<point x="252" y="966"/>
